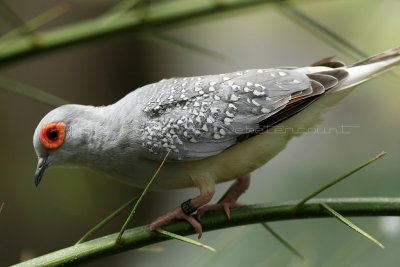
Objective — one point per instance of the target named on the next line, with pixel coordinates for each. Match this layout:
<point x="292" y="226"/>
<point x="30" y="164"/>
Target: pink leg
<point x="228" y="201"/>
<point x="178" y="214"/>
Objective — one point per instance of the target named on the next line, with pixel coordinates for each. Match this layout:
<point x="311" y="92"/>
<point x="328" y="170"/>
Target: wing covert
<point x="201" y="116"/>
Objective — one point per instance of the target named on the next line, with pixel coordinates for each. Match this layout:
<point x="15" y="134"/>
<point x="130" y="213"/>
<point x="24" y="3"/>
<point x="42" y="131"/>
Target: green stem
<point x="184" y="239"/>
<point x="319" y="30"/>
<point x="106" y="220"/>
<point x="162" y="14"/>
<point x="31" y="92"/>
<point x="188" y="45"/>
<point x="350" y="224"/>
<point x="130" y="217"/>
<point x="284" y="242"/>
<point x="40" y="20"/>
<point x="337" y="180"/>
<point x="8" y="13"/>
<point x="142" y="236"/>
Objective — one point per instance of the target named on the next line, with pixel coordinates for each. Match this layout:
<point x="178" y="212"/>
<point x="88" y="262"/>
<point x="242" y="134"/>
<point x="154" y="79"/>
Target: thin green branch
<point x="106" y="220"/>
<point x="350" y="224"/>
<point x="348" y="252"/>
<point x="325" y="34"/>
<point x="189" y="46"/>
<point x="40" y="20"/>
<point x="337" y="180"/>
<point x="184" y="239"/>
<point x="1" y="207"/>
<point x="284" y="242"/>
<point x="162" y="14"/>
<point x="142" y="236"/>
<point x="139" y="201"/>
<point x="12" y="17"/>
<point x="122" y="7"/>
<point x="31" y="92"/>
<point x="118" y="10"/>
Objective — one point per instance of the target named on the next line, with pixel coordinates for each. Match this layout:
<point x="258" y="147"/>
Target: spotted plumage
<point x="201" y="116"/>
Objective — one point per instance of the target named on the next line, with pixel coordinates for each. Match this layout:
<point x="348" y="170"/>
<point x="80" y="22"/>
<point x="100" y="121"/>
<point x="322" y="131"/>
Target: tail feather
<point x="358" y="72"/>
<point x="389" y="55"/>
<point x="368" y="68"/>
<point x="326" y="76"/>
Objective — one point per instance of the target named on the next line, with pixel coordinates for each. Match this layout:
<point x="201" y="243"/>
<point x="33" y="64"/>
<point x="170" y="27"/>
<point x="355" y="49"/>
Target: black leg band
<point x="187" y="207"/>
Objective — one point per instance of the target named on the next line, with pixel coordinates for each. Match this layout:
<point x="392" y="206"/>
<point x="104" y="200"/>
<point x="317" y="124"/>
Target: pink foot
<point x="176" y="214"/>
<point x="228" y="201"/>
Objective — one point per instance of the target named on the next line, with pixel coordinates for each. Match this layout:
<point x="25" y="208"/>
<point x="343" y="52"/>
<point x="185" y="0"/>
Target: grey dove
<point x="215" y="128"/>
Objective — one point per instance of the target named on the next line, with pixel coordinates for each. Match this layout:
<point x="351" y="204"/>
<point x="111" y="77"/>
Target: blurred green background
<point x="36" y="221"/>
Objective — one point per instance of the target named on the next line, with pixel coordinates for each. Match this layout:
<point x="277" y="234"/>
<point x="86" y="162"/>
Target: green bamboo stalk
<point x="201" y="50"/>
<point x="349" y="251"/>
<point x="142" y="236"/>
<point x="325" y="34"/>
<point x="337" y="180"/>
<point x="120" y="8"/>
<point x="8" y="13"/>
<point x="185" y="239"/>
<point x="351" y="225"/>
<point x="40" y="20"/>
<point x="139" y="201"/>
<point x="106" y="220"/>
<point x="31" y="92"/>
<point x="285" y="242"/>
<point x="163" y="14"/>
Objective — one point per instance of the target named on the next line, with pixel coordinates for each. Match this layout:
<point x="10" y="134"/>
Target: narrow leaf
<point x="188" y="46"/>
<point x="40" y="20"/>
<point x="118" y="10"/>
<point x="130" y="217"/>
<point x="1" y="207"/>
<point x="9" y="14"/>
<point x="320" y="31"/>
<point x="31" y="92"/>
<point x="337" y="180"/>
<point x="122" y="6"/>
<point x="184" y="239"/>
<point x="346" y="253"/>
<point x="106" y="220"/>
<point x="284" y="242"/>
<point x="350" y="224"/>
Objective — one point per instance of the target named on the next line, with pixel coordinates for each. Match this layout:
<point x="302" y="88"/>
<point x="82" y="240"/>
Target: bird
<point x="213" y="128"/>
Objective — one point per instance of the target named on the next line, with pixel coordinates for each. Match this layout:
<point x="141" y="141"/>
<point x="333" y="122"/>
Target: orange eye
<point x="52" y="135"/>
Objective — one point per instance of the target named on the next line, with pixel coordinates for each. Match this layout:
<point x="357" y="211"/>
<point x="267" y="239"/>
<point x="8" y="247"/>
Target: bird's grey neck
<point x="104" y="135"/>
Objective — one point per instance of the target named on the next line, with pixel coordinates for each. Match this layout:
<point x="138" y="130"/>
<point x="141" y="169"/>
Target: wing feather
<point x="198" y="117"/>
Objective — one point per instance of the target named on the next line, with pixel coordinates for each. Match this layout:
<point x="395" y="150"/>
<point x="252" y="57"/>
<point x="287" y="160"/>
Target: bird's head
<point x="56" y="138"/>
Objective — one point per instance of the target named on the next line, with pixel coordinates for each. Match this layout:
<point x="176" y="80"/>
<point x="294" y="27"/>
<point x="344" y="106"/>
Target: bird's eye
<point x="52" y="135"/>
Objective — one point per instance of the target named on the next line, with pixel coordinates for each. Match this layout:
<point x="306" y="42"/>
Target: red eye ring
<point x="52" y="135"/>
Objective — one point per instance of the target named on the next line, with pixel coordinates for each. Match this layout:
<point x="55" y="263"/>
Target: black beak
<point x="41" y="167"/>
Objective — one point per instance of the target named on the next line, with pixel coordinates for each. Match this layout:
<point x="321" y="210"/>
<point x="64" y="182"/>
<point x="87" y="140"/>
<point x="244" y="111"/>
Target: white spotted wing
<point x="198" y="117"/>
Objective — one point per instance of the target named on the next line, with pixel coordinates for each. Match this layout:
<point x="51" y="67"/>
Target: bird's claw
<point x="177" y="214"/>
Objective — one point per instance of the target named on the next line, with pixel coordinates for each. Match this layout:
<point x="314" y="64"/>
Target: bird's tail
<point x="351" y="75"/>
<point x="368" y="68"/>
